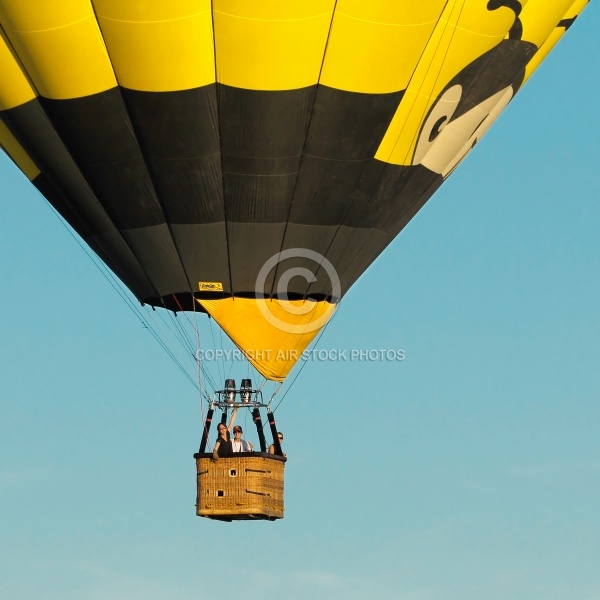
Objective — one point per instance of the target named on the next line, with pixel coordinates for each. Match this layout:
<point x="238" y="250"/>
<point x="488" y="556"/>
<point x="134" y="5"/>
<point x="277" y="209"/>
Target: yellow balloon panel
<point x="60" y="46"/>
<point x="150" y="11"/>
<point x="400" y="12"/>
<point x="15" y="88"/>
<point x="163" y="47"/>
<point x="275" y="10"/>
<point x="373" y="57"/>
<point x="43" y="15"/>
<point x="279" y="50"/>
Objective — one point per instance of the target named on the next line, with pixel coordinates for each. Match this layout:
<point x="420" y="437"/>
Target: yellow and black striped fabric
<point x="189" y="141"/>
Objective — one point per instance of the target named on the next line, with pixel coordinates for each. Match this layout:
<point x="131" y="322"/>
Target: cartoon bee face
<point x="468" y="105"/>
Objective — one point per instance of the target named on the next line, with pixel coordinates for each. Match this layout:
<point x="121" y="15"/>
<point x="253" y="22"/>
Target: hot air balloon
<point x="250" y="160"/>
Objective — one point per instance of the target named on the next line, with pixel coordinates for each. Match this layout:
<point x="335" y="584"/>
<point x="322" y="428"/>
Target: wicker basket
<point x="246" y="486"/>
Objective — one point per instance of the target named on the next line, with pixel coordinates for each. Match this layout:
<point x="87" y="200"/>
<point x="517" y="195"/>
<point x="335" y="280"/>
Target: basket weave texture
<point x="242" y="487"/>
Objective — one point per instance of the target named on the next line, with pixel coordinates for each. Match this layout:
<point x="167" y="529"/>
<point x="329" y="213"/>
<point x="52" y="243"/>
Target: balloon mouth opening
<point x="186" y="301"/>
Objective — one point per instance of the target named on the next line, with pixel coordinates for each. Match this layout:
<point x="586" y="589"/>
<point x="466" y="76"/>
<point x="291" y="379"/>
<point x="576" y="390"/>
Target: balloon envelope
<point x="251" y="159"/>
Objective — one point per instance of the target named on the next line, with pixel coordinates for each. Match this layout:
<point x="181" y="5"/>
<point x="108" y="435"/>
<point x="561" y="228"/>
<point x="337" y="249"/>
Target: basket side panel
<point x="240" y="487"/>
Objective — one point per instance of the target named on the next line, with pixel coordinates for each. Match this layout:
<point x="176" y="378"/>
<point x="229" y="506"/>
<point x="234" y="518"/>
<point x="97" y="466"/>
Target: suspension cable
<point x="121" y="292"/>
<point x="306" y="362"/>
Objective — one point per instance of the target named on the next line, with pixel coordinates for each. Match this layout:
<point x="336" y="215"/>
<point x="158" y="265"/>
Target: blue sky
<point x="468" y="470"/>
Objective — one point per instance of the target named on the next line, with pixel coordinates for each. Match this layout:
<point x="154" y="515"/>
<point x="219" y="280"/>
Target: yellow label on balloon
<point x="210" y="286"/>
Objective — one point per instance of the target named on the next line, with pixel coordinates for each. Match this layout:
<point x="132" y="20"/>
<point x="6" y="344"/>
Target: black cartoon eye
<point x="438" y="118"/>
<point x="437" y="127"/>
